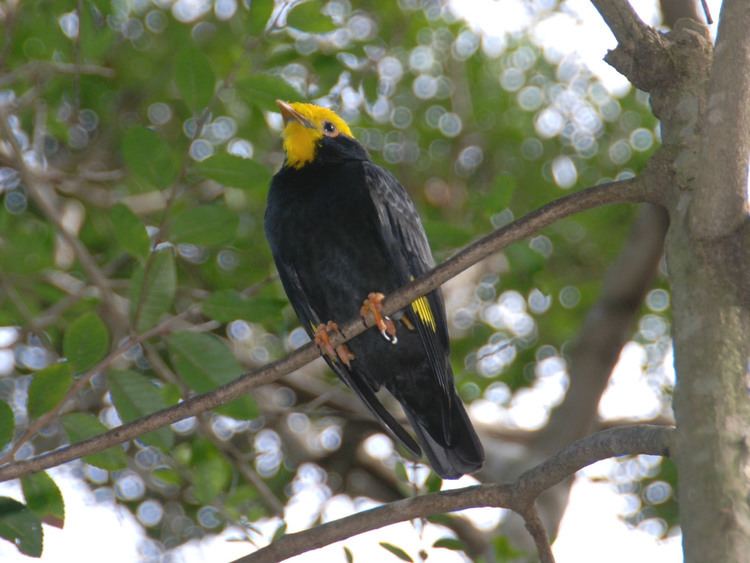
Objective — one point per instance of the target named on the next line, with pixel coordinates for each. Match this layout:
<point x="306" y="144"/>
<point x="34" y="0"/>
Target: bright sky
<point x="592" y="529"/>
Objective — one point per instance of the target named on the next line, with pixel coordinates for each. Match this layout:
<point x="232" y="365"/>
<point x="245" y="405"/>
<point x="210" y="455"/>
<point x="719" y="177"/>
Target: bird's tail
<point x="448" y="439"/>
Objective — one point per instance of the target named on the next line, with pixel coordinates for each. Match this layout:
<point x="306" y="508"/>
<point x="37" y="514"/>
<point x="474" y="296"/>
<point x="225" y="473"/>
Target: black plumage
<point x="339" y="228"/>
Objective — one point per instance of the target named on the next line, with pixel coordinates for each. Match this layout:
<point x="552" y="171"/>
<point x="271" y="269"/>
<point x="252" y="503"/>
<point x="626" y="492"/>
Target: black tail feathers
<point x="449" y="440"/>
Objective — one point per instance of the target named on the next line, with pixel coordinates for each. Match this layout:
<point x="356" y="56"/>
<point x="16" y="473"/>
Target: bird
<point x="343" y="232"/>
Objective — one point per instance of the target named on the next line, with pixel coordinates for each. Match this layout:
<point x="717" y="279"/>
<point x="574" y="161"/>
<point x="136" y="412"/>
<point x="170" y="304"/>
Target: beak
<point x="288" y="113"/>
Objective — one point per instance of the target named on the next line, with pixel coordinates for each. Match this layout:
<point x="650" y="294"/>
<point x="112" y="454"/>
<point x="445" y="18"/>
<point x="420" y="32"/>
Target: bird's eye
<point x="329" y="129"/>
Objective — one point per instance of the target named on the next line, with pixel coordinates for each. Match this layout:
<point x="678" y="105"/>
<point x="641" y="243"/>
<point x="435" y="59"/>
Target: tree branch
<point x="621" y="18"/>
<point x="518" y="496"/>
<point x="640" y="54"/>
<point x="631" y="190"/>
<point x="35" y="68"/>
<point x="536" y="528"/>
<point x="37" y="193"/>
<point x="608" y="325"/>
<point x="606" y="329"/>
<point x="726" y="139"/>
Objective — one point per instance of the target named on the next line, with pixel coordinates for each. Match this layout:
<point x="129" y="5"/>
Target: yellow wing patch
<point x="421" y="308"/>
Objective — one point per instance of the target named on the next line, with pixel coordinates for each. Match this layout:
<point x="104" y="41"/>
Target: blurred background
<point x="137" y="141"/>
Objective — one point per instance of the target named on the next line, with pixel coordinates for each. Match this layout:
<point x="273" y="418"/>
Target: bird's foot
<point x="373" y="306"/>
<point x="322" y="339"/>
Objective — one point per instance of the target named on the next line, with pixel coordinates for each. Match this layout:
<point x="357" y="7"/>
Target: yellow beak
<point x="288" y="113"/>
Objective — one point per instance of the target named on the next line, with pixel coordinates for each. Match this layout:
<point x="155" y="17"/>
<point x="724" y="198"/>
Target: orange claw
<point x="322" y="339"/>
<point x="373" y="306"/>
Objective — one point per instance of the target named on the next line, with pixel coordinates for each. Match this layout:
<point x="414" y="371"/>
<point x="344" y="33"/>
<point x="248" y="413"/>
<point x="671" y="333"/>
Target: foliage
<point x="157" y="160"/>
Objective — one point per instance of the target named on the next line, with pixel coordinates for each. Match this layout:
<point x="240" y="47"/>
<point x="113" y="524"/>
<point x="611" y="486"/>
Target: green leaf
<point x="28" y="247"/>
<point x="279" y="533"/>
<point x="450" y="543"/>
<point x="152" y="289"/>
<point x="204" y="362"/>
<point x="48" y="387"/>
<point x="235" y="171"/>
<point x="446" y="236"/>
<point x="86" y="341"/>
<point x="260" y="13"/>
<point x="148" y="157"/>
<point x="502" y="193"/>
<point x="228" y="305"/>
<point x="433" y="483"/>
<point x="95" y="36"/>
<point x="167" y="476"/>
<point x="348" y="555"/>
<point x="135" y="396"/>
<point x="370" y="86"/>
<point x="81" y="426"/>
<point x="21" y="527"/>
<point x="308" y="17"/>
<point x="400" y="471"/>
<point x="524" y="260"/>
<point x="397" y="551"/>
<point x="210" y="471"/>
<point x="130" y="233"/>
<point x="204" y="225"/>
<point x="195" y="78"/>
<point x="7" y="424"/>
<point x="504" y="550"/>
<point x="262" y="90"/>
<point x="44" y="498"/>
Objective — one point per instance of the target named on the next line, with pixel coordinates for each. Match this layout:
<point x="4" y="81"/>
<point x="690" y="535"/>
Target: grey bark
<point x="702" y="99"/>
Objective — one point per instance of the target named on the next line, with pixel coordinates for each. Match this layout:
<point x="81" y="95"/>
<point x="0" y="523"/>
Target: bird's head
<point x="315" y="133"/>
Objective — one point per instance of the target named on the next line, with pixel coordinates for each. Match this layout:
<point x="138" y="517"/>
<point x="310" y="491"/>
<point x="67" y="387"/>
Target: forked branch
<point x="518" y="496"/>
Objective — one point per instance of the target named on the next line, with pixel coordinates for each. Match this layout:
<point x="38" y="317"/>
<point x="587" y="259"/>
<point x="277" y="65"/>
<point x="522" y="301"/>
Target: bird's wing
<point x="404" y="236"/>
<point x="310" y="320"/>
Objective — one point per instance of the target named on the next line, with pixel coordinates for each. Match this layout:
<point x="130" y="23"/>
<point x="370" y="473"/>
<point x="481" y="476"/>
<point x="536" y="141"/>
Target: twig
<point x="40" y="67"/>
<point x="172" y="195"/>
<point x="83" y="380"/>
<point x="518" y="496"/>
<point x="9" y="24"/>
<point x="707" y="12"/>
<point x="77" y="59"/>
<point x="622" y="19"/>
<point x="640" y="54"/>
<point x="631" y="190"/>
<point x="228" y="449"/>
<point x="536" y="529"/>
<point x="87" y="261"/>
<point x="606" y="329"/>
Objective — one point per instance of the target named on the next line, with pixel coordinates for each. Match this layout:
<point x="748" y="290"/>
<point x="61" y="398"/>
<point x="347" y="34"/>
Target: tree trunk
<point x="708" y="252"/>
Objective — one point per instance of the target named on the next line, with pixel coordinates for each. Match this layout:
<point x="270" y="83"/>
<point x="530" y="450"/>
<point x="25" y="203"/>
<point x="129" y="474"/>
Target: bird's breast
<point x="327" y="228"/>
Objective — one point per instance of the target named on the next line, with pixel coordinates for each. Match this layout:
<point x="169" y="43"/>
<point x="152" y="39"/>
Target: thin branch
<point x="83" y="380"/>
<point x="621" y="18"/>
<point x="89" y="265"/>
<point x="631" y="190"/>
<point x="606" y="329"/>
<point x="77" y="52"/>
<point x="35" y="68"/>
<point x="233" y="454"/>
<point x="518" y="496"/>
<point x="162" y="228"/>
<point x="640" y="54"/>
<point x="536" y="529"/>
<point x="673" y="10"/>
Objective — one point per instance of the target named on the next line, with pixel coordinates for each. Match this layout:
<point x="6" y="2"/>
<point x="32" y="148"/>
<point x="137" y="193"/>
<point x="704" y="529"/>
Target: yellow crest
<point x="304" y="126"/>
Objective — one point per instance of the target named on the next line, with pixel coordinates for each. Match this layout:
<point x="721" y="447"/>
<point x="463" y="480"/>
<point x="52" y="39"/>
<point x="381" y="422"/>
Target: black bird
<point x="342" y="229"/>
